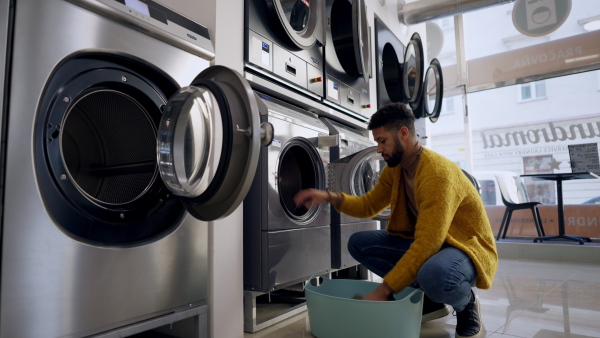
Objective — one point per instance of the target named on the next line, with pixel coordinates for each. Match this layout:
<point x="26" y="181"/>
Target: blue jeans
<point x="446" y="277"/>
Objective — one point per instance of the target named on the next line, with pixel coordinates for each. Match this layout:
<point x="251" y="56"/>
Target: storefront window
<point x="528" y="98"/>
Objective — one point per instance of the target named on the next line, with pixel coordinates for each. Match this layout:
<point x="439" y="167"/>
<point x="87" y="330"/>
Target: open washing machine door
<point x="433" y="93"/>
<point x="357" y="174"/>
<point x="351" y="40"/>
<point x="302" y="20"/>
<point x="209" y="141"/>
<point x="413" y="71"/>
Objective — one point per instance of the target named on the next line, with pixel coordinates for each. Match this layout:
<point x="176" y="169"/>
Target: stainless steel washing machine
<point x="284" y="43"/>
<point x="285" y="244"/>
<point x="112" y="170"/>
<point x="355" y="174"/>
<point x="351" y="141"/>
<point x="348" y="55"/>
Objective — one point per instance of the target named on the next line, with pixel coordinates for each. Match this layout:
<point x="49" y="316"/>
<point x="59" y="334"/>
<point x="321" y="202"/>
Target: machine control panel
<point x="156" y="20"/>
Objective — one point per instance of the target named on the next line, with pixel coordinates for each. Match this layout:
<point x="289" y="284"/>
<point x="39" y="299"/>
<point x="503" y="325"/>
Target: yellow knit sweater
<point x="450" y="211"/>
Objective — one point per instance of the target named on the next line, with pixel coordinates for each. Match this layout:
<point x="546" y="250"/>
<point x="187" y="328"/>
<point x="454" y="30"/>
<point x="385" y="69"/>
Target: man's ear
<point x="403" y="133"/>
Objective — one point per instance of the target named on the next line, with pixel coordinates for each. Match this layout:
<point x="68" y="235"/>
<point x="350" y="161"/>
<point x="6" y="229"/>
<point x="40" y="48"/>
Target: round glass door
<point x="362" y="39"/>
<point x="187" y="141"/>
<point x="197" y="159"/>
<point x="434" y="86"/>
<point x="297" y="13"/>
<point x="350" y="37"/>
<point x="412" y="71"/>
<point x="300" y="19"/>
<point x="365" y="176"/>
<point x="358" y="174"/>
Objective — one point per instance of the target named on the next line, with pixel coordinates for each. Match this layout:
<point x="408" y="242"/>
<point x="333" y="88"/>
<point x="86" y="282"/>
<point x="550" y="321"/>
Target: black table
<point x="561" y="212"/>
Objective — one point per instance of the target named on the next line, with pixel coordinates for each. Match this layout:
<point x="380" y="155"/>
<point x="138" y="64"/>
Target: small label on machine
<point x="265" y="56"/>
<point x="333" y="90"/>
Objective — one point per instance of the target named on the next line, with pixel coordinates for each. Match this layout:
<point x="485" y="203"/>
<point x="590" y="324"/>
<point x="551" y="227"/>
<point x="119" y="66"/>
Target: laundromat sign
<point x="544" y="134"/>
<point x="553" y="56"/>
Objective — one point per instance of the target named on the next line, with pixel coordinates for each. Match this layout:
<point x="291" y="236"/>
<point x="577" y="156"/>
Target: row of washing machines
<point x="120" y="144"/>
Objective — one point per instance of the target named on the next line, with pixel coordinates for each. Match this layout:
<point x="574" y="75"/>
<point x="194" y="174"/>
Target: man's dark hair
<point x="392" y="117"/>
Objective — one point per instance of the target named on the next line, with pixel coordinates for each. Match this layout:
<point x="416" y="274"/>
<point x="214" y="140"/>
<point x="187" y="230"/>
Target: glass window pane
<point x="498" y="53"/>
<point x="534" y="137"/>
<point x="447" y="134"/>
<point x="441" y="44"/>
<point x="525" y="92"/>
<point x="540" y="89"/>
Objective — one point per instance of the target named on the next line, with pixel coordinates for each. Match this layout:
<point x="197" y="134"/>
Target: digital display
<point x="138" y="6"/>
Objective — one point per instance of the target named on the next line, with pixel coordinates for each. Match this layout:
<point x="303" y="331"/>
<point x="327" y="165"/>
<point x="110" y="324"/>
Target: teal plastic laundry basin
<point x="333" y="312"/>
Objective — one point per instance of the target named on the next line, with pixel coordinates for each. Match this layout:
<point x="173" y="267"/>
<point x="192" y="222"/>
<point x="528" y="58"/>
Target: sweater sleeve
<point x="437" y="202"/>
<point x="373" y="202"/>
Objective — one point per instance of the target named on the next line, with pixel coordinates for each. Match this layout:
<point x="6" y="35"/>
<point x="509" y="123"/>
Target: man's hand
<point x="382" y="293"/>
<point x="310" y="197"/>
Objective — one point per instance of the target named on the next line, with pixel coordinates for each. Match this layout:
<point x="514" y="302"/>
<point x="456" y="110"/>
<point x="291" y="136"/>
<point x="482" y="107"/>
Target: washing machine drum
<point x="300" y="167"/>
<point x="121" y="153"/>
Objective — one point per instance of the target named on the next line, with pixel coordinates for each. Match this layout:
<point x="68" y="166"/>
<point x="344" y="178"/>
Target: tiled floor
<point x="529" y="299"/>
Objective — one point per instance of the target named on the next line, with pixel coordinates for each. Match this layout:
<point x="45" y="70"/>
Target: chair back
<point x="512" y="189"/>
<point x="473" y="180"/>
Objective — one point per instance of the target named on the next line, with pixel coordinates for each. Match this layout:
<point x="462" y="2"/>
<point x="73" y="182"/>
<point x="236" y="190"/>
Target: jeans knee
<point x="352" y="243"/>
<point x="431" y="279"/>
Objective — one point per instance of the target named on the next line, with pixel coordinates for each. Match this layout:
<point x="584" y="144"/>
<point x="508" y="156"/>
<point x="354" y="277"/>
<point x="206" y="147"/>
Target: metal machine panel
<point x="53" y="284"/>
<point x="289" y="67"/>
<point x="260" y="51"/>
<point x="296" y="254"/>
<point x="276" y="232"/>
<point x="350" y="98"/>
<point x="333" y="89"/>
<point x="315" y="79"/>
<point x="346" y="230"/>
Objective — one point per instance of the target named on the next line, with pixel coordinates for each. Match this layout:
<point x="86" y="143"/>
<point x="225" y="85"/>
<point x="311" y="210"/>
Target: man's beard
<point x="395" y="158"/>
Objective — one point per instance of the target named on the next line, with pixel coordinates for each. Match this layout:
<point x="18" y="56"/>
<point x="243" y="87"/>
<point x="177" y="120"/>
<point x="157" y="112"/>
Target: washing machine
<point x="348" y="56"/>
<point x="351" y="141"/>
<point x="285" y="244"/>
<point x="119" y="145"/>
<point x="356" y="174"/>
<point x="284" y="43"/>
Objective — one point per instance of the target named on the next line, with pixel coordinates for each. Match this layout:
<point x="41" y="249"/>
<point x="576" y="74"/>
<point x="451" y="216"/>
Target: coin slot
<point x="290" y="69"/>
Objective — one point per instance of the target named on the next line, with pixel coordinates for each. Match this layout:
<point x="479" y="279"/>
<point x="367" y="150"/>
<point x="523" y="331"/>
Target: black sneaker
<point x="432" y="310"/>
<point x="468" y="321"/>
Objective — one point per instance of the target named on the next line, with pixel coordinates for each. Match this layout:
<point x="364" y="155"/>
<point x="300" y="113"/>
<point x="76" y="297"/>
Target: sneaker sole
<point x="436" y="314"/>
<point x="478" y="335"/>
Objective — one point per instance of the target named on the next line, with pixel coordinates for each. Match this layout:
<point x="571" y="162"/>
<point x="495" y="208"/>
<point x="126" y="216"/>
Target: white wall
<point x="224" y="20"/>
<point x="227" y="271"/>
